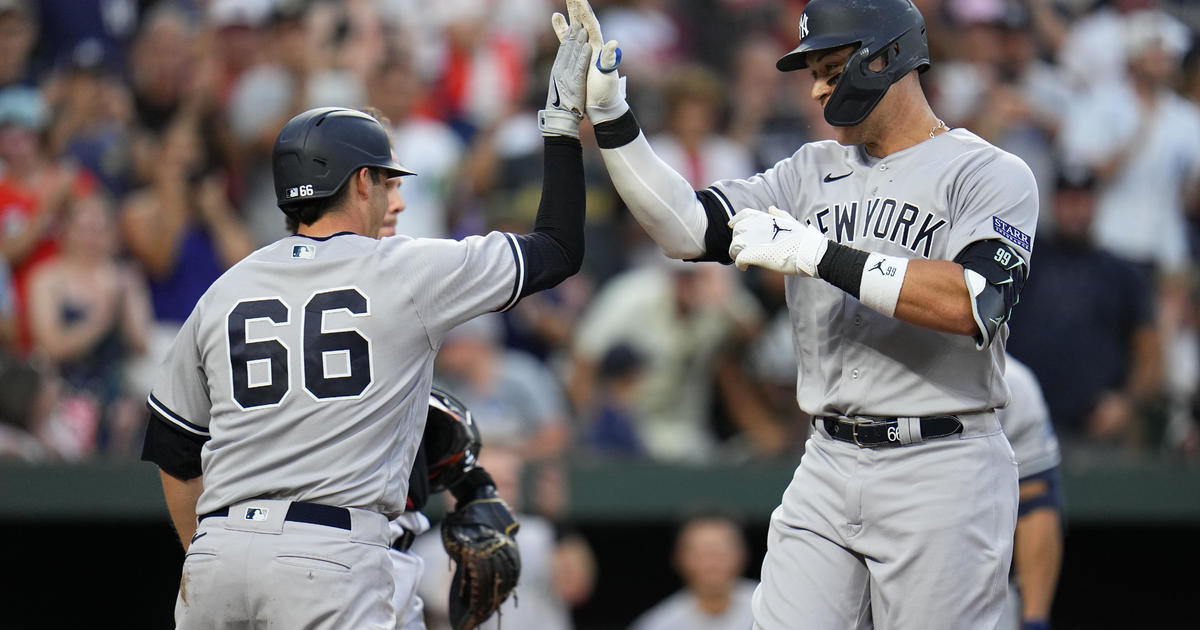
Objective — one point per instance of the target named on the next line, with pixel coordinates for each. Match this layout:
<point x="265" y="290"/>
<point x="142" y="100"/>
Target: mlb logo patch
<point x="303" y="251"/>
<point x="256" y="514"/>
<point x="1011" y="233"/>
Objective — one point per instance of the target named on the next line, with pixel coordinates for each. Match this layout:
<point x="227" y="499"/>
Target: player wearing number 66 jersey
<point x="288" y="414"/>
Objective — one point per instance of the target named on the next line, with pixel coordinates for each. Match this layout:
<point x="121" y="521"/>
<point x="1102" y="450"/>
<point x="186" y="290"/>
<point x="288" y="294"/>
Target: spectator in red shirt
<point x="34" y="189"/>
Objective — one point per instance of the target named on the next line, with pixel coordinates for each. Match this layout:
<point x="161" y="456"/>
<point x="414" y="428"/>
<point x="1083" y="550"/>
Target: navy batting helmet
<point x="317" y="151"/>
<point x="878" y="27"/>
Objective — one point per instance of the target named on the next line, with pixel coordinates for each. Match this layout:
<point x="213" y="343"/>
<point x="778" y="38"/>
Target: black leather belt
<point x="298" y="512"/>
<point x="404" y="542"/>
<point x="876" y="432"/>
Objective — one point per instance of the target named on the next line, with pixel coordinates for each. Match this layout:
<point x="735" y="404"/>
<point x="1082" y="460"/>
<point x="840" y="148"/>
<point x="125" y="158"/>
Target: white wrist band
<point x="882" y="280"/>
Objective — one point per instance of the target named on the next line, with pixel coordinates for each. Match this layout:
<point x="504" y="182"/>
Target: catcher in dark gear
<point x="479" y="534"/>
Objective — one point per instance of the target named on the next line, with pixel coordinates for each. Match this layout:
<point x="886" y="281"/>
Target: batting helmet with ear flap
<point x="892" y="29"/>
<point x="317" y="151"/>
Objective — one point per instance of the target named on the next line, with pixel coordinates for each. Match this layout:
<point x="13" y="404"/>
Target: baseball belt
<point x="877" y="432"/>
<point x="300" y="512"/>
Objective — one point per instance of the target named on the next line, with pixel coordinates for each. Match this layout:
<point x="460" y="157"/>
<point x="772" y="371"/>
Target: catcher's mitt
<point x="479" y="536"/>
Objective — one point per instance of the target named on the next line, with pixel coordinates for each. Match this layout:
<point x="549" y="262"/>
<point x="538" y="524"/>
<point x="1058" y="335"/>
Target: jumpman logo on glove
<point x="778" y="229"/>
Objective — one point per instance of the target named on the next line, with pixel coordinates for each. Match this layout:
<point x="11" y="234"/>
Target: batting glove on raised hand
<point x="565" y="99"/>
<point x="776" y="240"/>
<point x="605" y="87"/>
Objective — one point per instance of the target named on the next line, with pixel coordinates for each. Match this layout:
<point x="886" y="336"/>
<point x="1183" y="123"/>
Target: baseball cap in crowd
<point x="24" y="107"/>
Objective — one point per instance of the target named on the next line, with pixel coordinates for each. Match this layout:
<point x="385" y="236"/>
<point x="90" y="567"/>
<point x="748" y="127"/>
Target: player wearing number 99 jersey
<point x="295" y="396"/>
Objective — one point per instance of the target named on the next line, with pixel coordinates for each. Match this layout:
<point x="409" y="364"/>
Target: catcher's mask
<point x="892" y="29"/>
<point x="317" y="151"/>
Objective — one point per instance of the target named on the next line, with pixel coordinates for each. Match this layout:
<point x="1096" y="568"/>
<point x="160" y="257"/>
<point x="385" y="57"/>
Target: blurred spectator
<point x="1099" y="359"/>
<point x="691" y="145"/>
<point x="757" y="380"/>
<point x="65" y="24"/>
<point x="181" y="227"/>
<point x="611" y="429"/>
<point x="1021" y="105"/>
<point x="34" y="189"/>
<point x="517" y="401"/>
<point x="18" y="34"/>
<point x="161" y="66"/>
<point x="8" y="310"/>
<point x="557" y="570"/>
<point x="481" y="71"/>
<point x="650" y="39"/>
<point x="770" y="116"/>
<point x="91" y="315"/>
<point x="710" y="556"/>
<point x="1091" y="55"/>
<point x="238" y="40"/>
<point x="296" y="75"/>
<point x="92" y="114"/>
<point x="1140" y="138"/>
<point x="421" y="143"/>
<point x="24" y="403"/>
<point x="677" y="315"/>
<point x="183" y="232"/>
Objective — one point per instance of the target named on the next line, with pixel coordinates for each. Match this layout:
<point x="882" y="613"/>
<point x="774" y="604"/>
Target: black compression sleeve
<point x="843" y="267"/>
<point x="176" y="451"/>
<point x="554" y="251"/>
<point x="718" y="235"/>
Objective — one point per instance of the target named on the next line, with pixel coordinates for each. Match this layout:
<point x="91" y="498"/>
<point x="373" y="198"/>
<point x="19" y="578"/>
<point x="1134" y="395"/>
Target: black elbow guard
<point x="995" y="274"/>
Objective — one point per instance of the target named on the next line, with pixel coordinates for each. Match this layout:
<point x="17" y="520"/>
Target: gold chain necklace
<point x="940" y="125"/>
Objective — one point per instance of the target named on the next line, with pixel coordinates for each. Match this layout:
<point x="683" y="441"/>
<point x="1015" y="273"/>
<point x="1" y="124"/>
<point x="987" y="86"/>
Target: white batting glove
<point x="605" y="87"/>
<point x="776" y="240"/>
<point x="565" y="100"/>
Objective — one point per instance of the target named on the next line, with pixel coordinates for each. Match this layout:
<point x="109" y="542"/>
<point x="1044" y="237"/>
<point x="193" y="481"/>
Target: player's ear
<point x="362" y="182"/>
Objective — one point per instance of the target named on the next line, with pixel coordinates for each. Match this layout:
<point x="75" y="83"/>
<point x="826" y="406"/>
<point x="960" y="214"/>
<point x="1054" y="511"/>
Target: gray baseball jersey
<point x="928" y="201"/>
<point x="1026" y="422"/>
<point x="309" y="363"/>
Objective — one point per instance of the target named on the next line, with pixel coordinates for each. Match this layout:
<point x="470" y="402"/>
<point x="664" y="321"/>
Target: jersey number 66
<point x="272" y="353"/>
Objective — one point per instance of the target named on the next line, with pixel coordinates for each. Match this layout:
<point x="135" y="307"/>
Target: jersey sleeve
<point x="1026" y="422"/>
<point x="777" y="186"/>
<point x="996" y="199"/>
<point x="180" y="396"/>
<point x="458" y="280"/>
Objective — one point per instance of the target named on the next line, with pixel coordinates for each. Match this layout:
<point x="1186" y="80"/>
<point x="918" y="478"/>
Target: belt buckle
<point x="865" y="422"/>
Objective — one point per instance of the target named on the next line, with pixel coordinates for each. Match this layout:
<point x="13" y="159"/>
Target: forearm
<point x="932" y="293"/>
<point x="181" y="496"/>
<point x="935" y="296"/>
<point x="554" y="250"/>
<point x="1037" y="556"/>
<point x="661" y="200"/>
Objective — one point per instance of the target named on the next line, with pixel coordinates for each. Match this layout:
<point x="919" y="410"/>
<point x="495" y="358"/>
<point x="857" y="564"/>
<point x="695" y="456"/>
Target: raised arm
<point x="660" y="199"/>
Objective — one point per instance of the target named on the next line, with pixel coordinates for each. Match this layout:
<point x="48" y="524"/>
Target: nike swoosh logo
<point x="831" y="178"/>
<point x="557" y="101"/>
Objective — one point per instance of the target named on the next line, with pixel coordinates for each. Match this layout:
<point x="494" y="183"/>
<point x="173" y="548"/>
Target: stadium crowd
<point x="134" y="169"/>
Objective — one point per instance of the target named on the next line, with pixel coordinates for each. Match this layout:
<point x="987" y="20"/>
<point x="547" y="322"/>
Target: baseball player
<point x="906" y="245"/>
<point x="448" y="460"/>
<point x="288" y="414"/>
<point x="1037" y="551"/>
